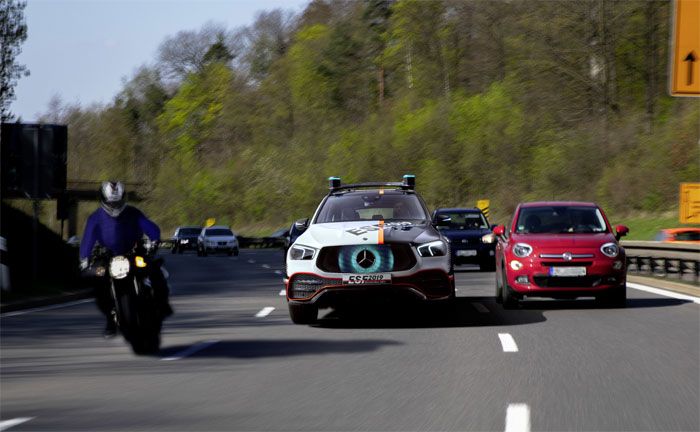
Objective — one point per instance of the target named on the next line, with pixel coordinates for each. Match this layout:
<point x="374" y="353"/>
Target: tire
<point x="141" y="331"/>
<point x="173" y="250"/>
<point x="487" y="266"/>
<point x="229" y="253"/>
<point x="508" y="299"/>
<point x="303" y="314"/>
<point x="199" y="252"/>
<point x="180" y="251"/>
<point x="204" y="252"/>
<point x="235" y="252"/>
<point x="499" y="290"/>
<point x="614" y="298"/>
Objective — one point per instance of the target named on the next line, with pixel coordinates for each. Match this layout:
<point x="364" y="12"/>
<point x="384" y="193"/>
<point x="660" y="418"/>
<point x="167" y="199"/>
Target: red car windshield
<point x="560" y="220"/>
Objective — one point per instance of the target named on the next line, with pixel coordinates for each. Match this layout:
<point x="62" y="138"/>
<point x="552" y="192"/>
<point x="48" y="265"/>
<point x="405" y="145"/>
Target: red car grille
<point x="568" y="282"/>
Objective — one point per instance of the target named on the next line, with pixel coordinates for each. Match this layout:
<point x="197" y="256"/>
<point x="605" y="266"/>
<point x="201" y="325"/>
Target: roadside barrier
<point x="4" y="268"/>
<point x="681" y="260"/>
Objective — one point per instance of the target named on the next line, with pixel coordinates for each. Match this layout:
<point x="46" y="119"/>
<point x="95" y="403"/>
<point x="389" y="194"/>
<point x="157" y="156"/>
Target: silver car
<point x="217" y="239"/>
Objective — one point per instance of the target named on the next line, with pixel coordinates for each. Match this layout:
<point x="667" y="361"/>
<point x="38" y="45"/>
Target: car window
<point x="219" y="232"/>
<point x="189" y="231"/>
<point x="560" y="220"/>
<point x="371" y="206"/>
<point x="463" y="221"/>
<point x="688" y="236"/>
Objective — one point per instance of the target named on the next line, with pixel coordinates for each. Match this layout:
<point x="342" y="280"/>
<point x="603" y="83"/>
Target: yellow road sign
<point x="483" y="204"/>
<point x="210" y="222"/>
<point x="685" y="51"/>
<point x="690" y="203"/>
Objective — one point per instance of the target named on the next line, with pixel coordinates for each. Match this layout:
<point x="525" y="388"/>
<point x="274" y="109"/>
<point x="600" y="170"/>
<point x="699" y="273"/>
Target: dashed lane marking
<point x="508" y="342"/>
<point x="45" y="308"/>
<point x="191" y="350"/>
<point x="518" y="418"/>
<point x="6" y="424"/>
<point x="278" y="272"/>
<point x="283" y="293"/>
<point x="481" y="308"/>
<point x="264" y="312"/>
<point x="663" y="292"/>
<point x="251" y="261"/>
<point x="266" y="266"/>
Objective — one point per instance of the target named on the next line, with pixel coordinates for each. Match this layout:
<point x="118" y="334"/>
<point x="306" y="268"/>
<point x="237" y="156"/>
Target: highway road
<point x="232" y="360"/>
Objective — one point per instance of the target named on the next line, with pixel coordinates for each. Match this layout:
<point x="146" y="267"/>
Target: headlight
<point x="299" y="252"/>
<point x="610" y="250"/>
<point x="184" y="241"/>
<point x="119" y="267"/>
<point x="488" y="238"/>
<point x="432" y="249"/>
<point x="522" y="250"/>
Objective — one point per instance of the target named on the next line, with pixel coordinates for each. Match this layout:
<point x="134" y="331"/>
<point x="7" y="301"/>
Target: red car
<point x="560" y="250"/>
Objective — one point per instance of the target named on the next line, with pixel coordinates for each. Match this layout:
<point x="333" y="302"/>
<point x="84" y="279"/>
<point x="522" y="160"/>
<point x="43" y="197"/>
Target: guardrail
<point x="663" y="259"/>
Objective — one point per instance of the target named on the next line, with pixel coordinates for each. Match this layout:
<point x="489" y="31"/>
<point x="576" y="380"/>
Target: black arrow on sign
<point x="690" y="58"/>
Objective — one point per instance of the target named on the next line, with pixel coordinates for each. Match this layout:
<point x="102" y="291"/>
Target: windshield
<point x="189" y="231"/>
<point x="463" y="221"/>
<point x="219" y="232"/>
<point x="371" y="205"/>
<point x="560" y="220"/>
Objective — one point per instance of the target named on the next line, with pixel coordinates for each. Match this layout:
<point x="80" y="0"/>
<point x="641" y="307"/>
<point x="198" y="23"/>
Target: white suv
<point x="217" y="239"/>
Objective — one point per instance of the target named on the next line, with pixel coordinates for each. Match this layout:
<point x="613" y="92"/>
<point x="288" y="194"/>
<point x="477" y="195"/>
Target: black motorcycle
<point x="136" y="310"/>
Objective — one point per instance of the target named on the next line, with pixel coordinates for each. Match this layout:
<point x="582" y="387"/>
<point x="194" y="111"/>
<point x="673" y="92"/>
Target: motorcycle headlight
<point x="119" y="267"/>
<point x="610" y="250"/>
<point x="522" y="250"/>
<point x="432" y="249"/>
<point x="300" y="252"/>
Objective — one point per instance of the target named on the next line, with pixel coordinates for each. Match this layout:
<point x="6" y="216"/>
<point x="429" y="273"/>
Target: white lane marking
<point x="518" y="418"/>
<point x="6" y="424"/>
<point x="251" y="261"/>
<point x="45" y="308"/>
<point x="481" y="308"/>
<point x="278" y="272"/>
<point x="265" y="266"/>
<point x="508" y="342"/>
<point x="663" y="292"/>
<point x="283" y="292"/>
<point x="191" y="350"/>
<point x="264" y="312"/>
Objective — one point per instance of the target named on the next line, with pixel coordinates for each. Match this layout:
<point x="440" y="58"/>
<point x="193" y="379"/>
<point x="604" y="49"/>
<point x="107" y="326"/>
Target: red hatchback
<point x="560" y="250"/>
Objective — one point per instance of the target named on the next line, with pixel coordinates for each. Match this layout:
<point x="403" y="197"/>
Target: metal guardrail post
<point x="664" y="259"/>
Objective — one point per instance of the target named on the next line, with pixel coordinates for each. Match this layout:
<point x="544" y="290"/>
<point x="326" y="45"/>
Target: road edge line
<point x="663" y="292"/>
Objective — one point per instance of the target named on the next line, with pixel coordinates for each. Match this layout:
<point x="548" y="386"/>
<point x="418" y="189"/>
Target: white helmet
<point x="112" y="197"/>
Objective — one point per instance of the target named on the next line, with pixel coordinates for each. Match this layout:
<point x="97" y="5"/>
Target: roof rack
<point x="408" y="183"/>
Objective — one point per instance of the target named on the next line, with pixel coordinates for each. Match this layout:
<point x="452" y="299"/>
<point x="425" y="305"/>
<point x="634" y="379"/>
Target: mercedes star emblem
<point x="365" y="258"/>
<point x="567" y="256"/>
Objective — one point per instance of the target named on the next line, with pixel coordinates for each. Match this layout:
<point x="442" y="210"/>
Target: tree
<point x="13" y="32"/>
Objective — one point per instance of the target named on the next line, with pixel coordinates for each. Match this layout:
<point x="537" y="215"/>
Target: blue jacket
<point x="118" y="234"/>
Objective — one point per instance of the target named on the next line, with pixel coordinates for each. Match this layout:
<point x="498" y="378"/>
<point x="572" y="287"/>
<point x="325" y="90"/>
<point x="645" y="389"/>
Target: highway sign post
<point x="689" y="208"/>
<point x="685" y="49"/>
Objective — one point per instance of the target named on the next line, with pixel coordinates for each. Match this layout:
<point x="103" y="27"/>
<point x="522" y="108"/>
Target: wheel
<point x="199" y="252"/>
<point x="180" y="250"/>
<point x="173" y="250"/>
<point x="614" y="298"/>
<point x="303" y="314"/>
<point x="235" y="252"/>
<point x="508" y="299"/>
<point x="204" y="251"/>
<point x="499" y="290"/>
<point x="229" y="253"/>
<point x="487" y="266"/>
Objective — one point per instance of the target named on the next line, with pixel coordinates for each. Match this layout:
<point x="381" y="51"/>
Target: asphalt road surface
<point x="232" y="360"/>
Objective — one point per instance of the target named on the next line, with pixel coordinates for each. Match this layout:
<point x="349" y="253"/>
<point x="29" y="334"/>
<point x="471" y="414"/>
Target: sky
<point x="81" y="50"/>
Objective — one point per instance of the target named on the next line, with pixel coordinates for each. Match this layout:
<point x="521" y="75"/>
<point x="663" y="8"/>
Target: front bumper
<point x="534" y="279"/>
<point x="427" y="285"/>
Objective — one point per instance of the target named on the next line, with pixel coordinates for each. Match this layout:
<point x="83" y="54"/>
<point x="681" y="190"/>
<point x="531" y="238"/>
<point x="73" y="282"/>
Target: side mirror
<point x="621" y="231"/>
<point x="499" y="230"/>
<point x="301" y="224"/>
<point x="492" y="227"/>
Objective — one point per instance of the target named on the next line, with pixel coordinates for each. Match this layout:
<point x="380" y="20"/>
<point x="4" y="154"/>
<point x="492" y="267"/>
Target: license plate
<point x="367" y="279"/>
<point x="465" y="253"/>
<point x="567" y="271"/>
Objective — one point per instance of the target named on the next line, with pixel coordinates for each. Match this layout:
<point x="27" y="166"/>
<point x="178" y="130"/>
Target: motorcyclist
<point x="118" y="227"/>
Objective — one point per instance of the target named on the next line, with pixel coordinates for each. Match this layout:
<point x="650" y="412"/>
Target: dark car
<point x="185" y="238"/>
<point x="468" y="231"/>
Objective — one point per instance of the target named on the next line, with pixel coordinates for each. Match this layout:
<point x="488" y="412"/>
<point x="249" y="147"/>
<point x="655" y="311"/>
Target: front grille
<point x="567" y="263"/>
<point x="568" y="282"/>
<point x="222" y="243"/>
<point x="402" y="255"/>
<point x="304" y="285"/>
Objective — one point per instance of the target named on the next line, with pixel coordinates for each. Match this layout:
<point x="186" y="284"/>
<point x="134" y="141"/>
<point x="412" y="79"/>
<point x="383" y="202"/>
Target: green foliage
<point x="510" y="101"/>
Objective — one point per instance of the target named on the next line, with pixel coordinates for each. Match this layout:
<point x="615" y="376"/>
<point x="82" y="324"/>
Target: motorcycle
<point x="136" y="312"/>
